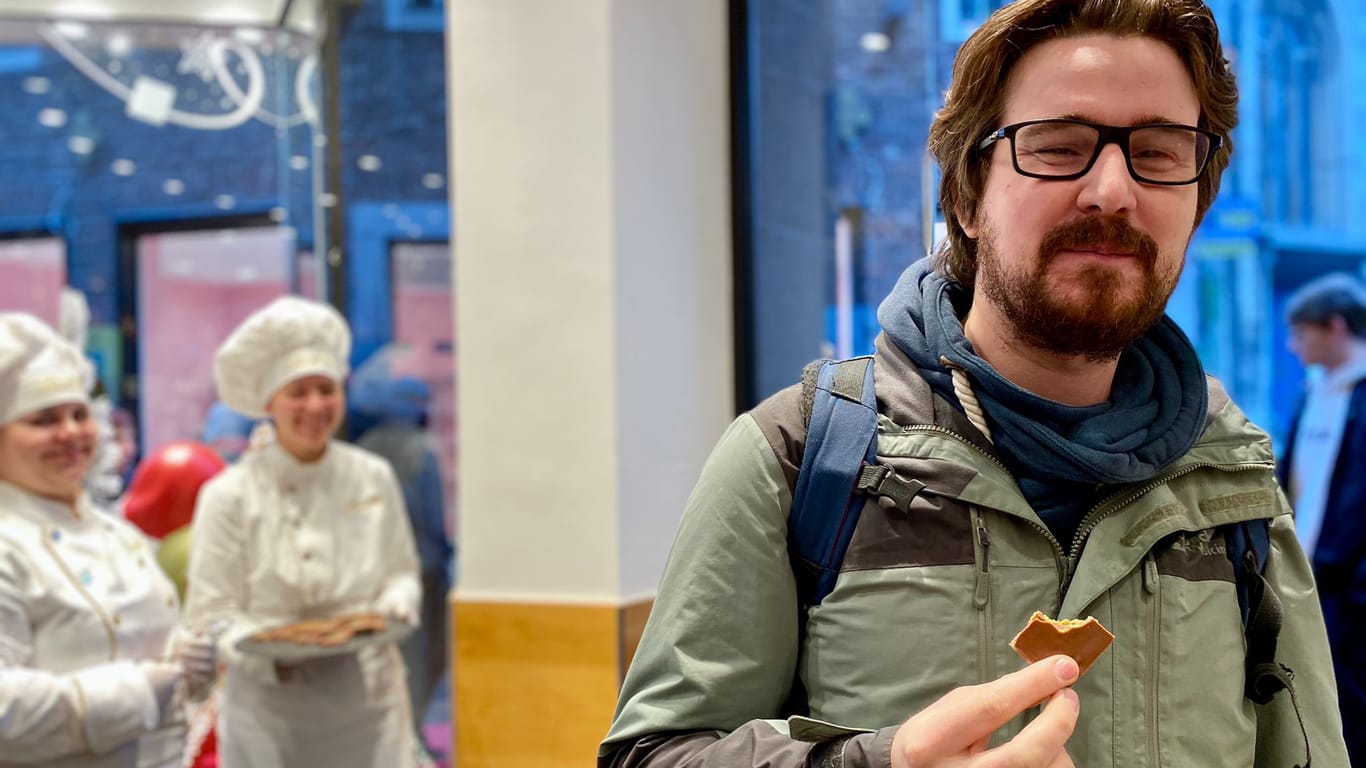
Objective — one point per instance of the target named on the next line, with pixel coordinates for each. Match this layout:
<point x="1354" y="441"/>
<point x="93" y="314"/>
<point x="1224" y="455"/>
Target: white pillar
<point x="591" y="180"/>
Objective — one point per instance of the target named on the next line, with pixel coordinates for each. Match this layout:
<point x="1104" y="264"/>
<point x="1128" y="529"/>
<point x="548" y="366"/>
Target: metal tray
<point x="278" y="650"/>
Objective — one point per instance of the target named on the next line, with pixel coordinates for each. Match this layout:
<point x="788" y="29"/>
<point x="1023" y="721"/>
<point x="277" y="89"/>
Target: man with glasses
<point x="1061" y="449"/>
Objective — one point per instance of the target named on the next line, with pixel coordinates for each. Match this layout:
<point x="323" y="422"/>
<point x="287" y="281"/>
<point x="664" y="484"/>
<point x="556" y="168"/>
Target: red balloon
<point x="165" y="485"/>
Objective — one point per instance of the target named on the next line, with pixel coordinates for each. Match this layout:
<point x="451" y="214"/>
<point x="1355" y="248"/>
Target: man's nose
<point x="1108" y="188"/>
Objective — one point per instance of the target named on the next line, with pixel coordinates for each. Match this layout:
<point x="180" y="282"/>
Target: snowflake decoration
<point x="196" y="56"/>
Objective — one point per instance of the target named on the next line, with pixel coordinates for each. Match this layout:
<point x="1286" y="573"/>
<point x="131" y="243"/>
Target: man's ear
<point x="1337" y="324"/>
<point x="969" y="226"/>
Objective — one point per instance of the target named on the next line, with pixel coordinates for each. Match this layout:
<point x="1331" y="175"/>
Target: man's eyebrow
<point x="1151" y="119"/>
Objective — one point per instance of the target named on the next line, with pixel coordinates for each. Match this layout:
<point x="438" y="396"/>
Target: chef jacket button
<point x="296" y="522"/>
<point x="117" y="620"/>
<point x="170" y="601"/>
<point x="56" y="535"/>
<point x="142" y="562"/>
<point x="289" y="489"/>
<point x="308" y="556"/>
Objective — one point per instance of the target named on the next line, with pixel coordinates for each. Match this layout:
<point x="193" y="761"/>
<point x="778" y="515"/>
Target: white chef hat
<point x="38" y="368"/>
<point x="287" y="339"/>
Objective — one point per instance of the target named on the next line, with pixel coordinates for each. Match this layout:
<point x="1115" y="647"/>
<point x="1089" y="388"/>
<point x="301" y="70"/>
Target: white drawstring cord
<point x="963" y="389"/>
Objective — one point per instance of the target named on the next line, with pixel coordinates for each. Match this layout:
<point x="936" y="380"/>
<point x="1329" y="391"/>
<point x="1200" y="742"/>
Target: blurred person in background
<point x="303" y="527"/>
<point x="1324" y="473"/>
<point x="399" y="408"/>
<point x="226" y="431"/>
<point x="86" y="618"/>
<point x="113" y="454"/>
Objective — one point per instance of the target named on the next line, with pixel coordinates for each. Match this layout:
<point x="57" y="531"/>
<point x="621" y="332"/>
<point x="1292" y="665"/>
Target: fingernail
<point x="1067" y="669"/>
<point x="1071" y="697"/>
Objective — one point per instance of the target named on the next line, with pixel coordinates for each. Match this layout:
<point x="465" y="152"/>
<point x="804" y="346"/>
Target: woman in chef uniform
<point x="302" y="527"/>
<point x="85" y="613"/>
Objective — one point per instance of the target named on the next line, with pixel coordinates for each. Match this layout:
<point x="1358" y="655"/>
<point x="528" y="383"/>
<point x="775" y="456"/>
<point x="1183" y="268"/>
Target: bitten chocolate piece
<point x="1042" y="637"/>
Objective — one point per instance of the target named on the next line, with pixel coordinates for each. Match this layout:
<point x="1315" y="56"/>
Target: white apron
<point x="276" y="541"/>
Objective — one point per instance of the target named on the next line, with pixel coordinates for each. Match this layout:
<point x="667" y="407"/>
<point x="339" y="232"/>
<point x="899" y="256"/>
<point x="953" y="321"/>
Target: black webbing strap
<point x="1266" y="677"/>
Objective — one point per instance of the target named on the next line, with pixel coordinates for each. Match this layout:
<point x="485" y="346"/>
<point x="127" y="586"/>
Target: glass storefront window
<point x="35" y="272"/>
<point x="193" y="289"/>
<point x="839" y="99"/>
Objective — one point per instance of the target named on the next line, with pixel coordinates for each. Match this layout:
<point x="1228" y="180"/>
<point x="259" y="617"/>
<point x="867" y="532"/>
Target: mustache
<point x="1108" y="233"/>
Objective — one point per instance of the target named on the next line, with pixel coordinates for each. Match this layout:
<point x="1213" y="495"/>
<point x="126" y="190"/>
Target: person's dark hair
<point x="982" y="68"/>
<point x="1319" y="300"/>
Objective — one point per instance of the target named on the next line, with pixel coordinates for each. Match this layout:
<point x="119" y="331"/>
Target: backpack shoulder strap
<point x="840" y="411"/>
<point x="1249" y="546"/>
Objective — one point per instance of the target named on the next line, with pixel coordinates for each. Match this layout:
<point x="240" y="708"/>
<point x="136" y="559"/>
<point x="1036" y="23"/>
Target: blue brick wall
<point x="393" y="107"/>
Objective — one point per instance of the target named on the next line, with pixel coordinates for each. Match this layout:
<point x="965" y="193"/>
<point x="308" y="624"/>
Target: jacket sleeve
<point x="709" y="679"/>
<point x="1303" y="647"/>
<point x="45" y="716"/>
<point x="216" y="579"/>
<point x="402" y="585"/>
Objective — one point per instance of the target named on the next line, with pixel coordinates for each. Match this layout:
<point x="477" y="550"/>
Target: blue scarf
<point x="1062" y="456"/>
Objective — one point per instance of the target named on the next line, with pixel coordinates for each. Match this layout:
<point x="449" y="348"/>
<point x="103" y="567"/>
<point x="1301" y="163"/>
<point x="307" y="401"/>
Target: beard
<point x="1101" y="313"/>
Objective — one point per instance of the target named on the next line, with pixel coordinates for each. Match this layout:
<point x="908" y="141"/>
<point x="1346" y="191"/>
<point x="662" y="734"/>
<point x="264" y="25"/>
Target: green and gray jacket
<point x="929" y="599"/>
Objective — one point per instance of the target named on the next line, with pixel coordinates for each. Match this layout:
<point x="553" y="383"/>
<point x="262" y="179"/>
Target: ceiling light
<point x="298" y="163"/>
<point x="72" y="30"/>
<point x="249" y="35"/>
<point x="37" y="85"/>
<point x="123" y="167"/>
<point x="173" y="187"/>
<point x="433" y="180"/>
<point x="369" y="163"/>
<point x="224" y="202"/>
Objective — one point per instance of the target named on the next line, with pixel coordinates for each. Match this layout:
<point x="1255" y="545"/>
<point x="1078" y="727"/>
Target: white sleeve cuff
<point x="117" y="704"/>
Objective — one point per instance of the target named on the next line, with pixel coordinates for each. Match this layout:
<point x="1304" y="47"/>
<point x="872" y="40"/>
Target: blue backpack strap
<point x="841" y="437"/>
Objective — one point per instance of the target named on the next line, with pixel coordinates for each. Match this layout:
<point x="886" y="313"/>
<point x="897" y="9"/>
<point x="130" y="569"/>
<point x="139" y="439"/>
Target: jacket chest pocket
<point x="1196" y="712"/>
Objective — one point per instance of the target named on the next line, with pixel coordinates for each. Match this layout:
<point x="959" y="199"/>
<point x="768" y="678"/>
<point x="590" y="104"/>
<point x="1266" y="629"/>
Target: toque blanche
<point x="286" y="340"/>
<point x="38" y="368"/>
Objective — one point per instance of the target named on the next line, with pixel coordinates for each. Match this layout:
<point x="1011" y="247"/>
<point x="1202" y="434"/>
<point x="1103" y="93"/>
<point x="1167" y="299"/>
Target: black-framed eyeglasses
<point x="1061" y="148"/>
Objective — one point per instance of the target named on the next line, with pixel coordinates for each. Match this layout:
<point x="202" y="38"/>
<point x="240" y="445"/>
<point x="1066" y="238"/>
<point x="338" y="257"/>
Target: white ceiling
<point x="262" y="13"/>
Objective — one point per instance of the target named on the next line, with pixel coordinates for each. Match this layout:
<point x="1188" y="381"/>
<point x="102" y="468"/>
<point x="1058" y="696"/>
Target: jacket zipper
<point x="1059" y="557"/>
<point x="986" y="669"/>
<point x="1123" y="498"/>
<point x="1152" y="590"/>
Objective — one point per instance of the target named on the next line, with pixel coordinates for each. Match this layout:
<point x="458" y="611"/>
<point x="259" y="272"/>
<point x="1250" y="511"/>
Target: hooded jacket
<point x="927" y="601"/>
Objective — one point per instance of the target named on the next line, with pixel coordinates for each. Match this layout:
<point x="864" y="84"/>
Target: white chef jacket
<point x="81" y="601"/>
<point x="276" y="541"/>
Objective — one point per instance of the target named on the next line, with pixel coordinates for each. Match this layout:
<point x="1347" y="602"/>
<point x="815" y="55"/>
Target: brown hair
<point x="976" y="97"/>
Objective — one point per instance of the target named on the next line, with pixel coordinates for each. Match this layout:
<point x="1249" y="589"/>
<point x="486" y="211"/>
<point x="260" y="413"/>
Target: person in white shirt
<point x="299" y="528"/>
<point x="1323" y="475"/>
<point x="86" y="616"/>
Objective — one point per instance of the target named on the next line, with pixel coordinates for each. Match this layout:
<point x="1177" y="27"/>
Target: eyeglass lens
<point x="1157" y="153"/>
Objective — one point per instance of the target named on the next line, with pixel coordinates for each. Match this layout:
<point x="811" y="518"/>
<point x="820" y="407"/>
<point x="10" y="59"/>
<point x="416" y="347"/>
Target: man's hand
<point x="953" y="732"/>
